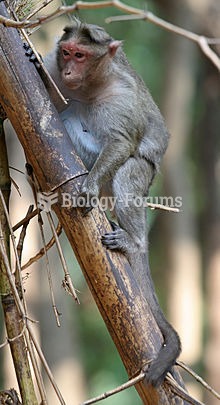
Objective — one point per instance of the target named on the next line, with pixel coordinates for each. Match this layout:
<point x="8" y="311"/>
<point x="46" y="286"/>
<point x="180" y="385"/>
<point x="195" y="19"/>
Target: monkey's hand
<point x="31" y="55"/>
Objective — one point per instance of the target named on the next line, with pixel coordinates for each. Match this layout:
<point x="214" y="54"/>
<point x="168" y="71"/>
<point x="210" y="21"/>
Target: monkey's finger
<point x="30" y="54"/>
<point x="112" y="246"/>
<point x="112" y="240"/>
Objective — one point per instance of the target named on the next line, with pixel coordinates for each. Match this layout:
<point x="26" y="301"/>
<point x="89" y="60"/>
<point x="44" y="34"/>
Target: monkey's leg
<point x="129" y="185"/>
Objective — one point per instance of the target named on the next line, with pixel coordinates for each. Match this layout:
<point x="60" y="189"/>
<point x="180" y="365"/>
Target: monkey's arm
<point x="112" y="156"/>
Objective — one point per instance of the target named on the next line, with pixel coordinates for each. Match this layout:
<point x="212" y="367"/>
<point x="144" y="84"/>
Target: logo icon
<point x="46" y="200"/>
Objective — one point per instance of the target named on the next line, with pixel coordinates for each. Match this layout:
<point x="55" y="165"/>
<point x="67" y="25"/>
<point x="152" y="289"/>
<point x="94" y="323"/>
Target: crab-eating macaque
<point x="120" y="135"/>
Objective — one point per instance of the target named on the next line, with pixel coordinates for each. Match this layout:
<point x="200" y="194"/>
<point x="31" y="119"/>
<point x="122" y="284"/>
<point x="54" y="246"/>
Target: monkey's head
<point x="83" y="52"/>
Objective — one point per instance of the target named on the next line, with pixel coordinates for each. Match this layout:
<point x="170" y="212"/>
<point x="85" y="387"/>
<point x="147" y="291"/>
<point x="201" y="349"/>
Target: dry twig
<point x="27" y="218"/>
<point x="175" y="388"/>
<point x="27" y="330"/>
<point x="120" y="388"/>
<point x="17" y="261"/>
<point x="136" y="13"/>
<point x="178" y="390"/>
<point x="3" y="344"/>
<point x="162" y="207"/>
<point x="42" y="251"/>
<point x="49" y="275"/>
<point x="198" y="378"/>
<point x="23" y="233"/>
<point x="67" y="282"/>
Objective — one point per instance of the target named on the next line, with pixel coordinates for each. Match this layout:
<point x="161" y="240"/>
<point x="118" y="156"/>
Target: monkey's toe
<point x="113" y="240"/>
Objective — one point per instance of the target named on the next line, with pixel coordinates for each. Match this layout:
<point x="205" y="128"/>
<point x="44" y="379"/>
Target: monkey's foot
<point x="117" y="239"/>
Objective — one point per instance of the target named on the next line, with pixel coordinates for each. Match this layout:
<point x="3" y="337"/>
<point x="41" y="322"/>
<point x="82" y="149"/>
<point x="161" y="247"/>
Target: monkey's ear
<point x="113" y="46"/>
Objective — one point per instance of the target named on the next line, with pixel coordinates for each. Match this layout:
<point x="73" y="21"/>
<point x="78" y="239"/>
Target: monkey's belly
<point x="86" y="145"/>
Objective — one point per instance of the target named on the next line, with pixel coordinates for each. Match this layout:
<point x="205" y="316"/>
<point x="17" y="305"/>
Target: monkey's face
<point x="73" y="61"/>
<point x="82" y="64"/>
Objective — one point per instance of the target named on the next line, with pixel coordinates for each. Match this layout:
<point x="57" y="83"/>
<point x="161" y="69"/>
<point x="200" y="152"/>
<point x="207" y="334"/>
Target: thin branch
<point x="45" y="365"/>
<point x="162" y="207"/>
<point x="198" y="378"/>
<point x="38" y="375"/>
<point x="26" y="219"/>
<point x="28" y="331"/>
<point x="49" y="275"/>
<point x="35" y="187"/>
<point x="11" y="278"/>
<point x="42" y="251"/>
<point x="17" y="261"/>
<point x="11" y="340"/>
<point x="67" y="283"/>
<point x="39" y="8"/>
<point x="178" y="390"/>
<point x="4" y="344"/>
<point x="149" y="16"/>
<point x="23" y="234"/>
<point x="175" y="388"/>
<point x="120" y="388"/>
<point x="202" y="41"/>
<point x="15" y="186"/>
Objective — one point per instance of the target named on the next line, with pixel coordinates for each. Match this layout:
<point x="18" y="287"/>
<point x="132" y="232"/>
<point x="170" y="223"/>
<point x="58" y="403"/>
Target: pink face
<point x="74" y="61"/>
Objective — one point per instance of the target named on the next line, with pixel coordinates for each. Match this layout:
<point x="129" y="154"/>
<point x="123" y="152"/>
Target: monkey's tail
<point x="171" y="347"/>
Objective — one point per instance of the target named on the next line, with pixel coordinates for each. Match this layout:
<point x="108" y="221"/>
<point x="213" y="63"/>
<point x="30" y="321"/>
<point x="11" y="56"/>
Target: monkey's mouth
<point x="72" y="82"/>
<point x="73" y="85"/>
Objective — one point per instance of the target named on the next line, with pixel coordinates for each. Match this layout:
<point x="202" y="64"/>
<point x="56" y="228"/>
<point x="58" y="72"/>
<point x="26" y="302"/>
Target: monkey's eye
<point x="79" y="55"/>
<point x="65" y="52"/>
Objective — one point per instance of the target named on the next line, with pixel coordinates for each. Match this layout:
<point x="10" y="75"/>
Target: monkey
<point x="120" y="135"/>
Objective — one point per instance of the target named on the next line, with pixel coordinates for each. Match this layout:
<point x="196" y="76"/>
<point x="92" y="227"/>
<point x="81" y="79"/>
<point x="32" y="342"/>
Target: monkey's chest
<point x="86" y="143"/>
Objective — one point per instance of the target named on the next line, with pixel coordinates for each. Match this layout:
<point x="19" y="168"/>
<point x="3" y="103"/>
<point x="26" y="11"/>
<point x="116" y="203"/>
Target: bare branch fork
<point x="175" y="388"/>
<point x="135" y="13"/>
